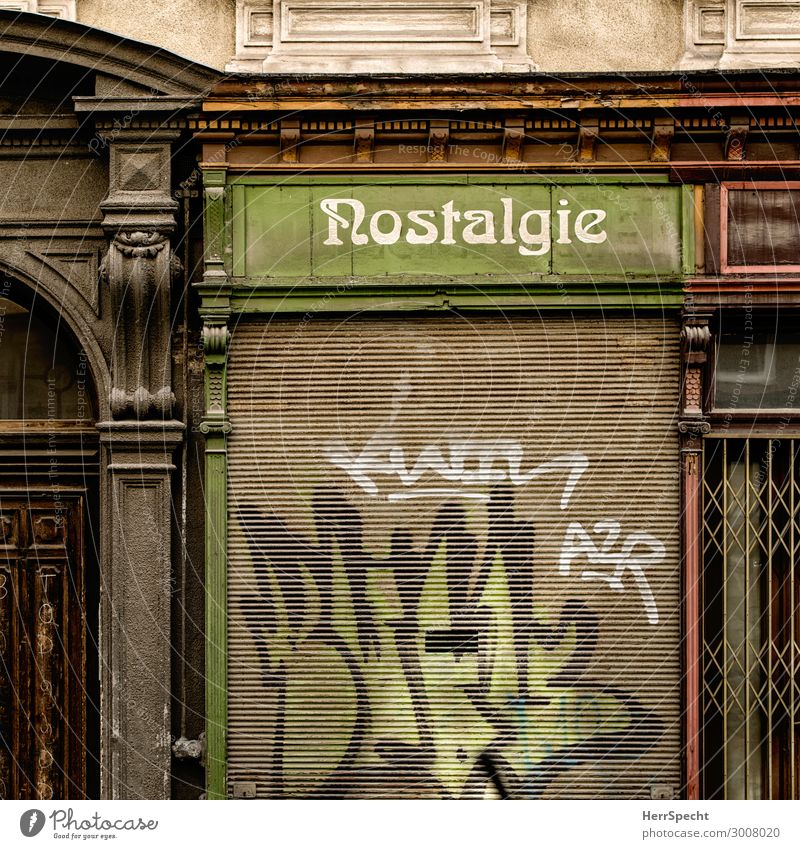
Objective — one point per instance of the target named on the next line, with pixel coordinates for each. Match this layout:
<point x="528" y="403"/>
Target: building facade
<point x="421" y="404"/>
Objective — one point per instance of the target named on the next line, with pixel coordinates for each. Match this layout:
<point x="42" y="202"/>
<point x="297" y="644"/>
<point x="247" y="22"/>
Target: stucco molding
<point x="380" y="36"/>
<point x="732" y="34"/>
<point x="54" y="8"/>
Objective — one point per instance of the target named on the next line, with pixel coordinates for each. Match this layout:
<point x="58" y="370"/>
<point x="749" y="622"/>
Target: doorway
<point x="49" y="579"/>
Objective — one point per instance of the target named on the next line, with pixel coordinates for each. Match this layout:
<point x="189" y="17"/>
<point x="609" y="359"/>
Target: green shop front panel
<point x="454" y="557"/>
<point x="456" y="227"/>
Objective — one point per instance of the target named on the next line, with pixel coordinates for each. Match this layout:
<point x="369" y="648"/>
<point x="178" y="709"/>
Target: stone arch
<point x="46" y="283"/>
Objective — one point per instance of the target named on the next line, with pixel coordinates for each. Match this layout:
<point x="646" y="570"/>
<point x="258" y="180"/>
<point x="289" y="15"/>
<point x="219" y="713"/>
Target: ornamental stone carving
<point x="696" y="338"/>
<point x="139" y="269"/>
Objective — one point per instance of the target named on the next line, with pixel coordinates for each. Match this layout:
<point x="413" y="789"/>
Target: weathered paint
<point x="510" y="228"/>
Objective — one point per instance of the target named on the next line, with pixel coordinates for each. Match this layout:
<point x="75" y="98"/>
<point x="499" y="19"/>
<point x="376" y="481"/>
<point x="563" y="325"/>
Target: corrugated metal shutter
<point x="454" y="556"/>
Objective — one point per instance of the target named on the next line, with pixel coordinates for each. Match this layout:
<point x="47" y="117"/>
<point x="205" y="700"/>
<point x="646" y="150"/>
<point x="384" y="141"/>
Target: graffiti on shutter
<point x="427" y="609"/>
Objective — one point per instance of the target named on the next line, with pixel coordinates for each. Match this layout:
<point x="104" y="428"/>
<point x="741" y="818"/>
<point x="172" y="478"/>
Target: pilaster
<point x="135" y="630"/>
<point x="139" y="443"/>
<point x="693" y="425"/>
<point x="215" y="309"/>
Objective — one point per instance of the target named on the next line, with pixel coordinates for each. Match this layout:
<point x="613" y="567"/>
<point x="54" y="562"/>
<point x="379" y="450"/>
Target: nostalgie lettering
<point x="532" y="230"/>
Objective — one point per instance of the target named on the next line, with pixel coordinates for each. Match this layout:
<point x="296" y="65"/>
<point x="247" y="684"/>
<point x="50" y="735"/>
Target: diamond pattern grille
<point x="751" y="619"/>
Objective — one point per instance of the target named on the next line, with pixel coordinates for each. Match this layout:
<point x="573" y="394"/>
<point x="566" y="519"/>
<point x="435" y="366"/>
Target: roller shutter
<point x="454" y="557"/>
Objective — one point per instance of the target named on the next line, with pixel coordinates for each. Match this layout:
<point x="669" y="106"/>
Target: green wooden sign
<point x="508" y="228"/>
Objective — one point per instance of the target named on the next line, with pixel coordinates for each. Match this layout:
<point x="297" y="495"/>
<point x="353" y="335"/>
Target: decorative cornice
<point x="650" y="138"/>
<point x="570" y="92"/>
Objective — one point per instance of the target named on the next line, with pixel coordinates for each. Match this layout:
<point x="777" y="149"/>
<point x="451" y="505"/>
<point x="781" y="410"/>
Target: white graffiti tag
<point x="470" y="463"/>
<point x="473" y="463"/>
<point x="639" y="549"/>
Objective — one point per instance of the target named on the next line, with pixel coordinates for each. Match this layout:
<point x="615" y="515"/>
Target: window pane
<point x="757" y="369"/>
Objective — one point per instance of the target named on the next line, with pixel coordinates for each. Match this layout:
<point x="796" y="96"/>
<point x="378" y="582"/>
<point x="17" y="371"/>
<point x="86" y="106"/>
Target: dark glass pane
<point x="42" y="374"/>
<point x="758" y="368"/>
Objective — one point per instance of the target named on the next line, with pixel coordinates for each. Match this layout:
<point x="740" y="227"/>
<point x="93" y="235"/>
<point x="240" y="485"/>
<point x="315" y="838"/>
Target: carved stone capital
<point x="215" y="339"/>
<point x="140" y="244"/>
<point x="215" y="428"/>
<point x="142" y="404"/>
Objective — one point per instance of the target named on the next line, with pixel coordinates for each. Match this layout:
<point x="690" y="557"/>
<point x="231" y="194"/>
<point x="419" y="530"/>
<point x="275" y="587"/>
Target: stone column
<point x="139" y="440"/>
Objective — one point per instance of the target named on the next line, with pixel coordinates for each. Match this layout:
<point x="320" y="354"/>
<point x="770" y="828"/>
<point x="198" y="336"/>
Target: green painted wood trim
<point x="235" y="207"/>
<point x="399" y="283"/>
<point x="214" y="290"/>
<point x="215" y="426"/>
<point x="687" y="230"/>
<point x="216" y="609"/>
<point x="267" y="303"/>
<point x="215" y="220"/>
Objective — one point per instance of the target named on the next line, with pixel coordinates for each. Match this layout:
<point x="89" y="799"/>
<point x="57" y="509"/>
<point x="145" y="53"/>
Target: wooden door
<point x="43" y="647"/>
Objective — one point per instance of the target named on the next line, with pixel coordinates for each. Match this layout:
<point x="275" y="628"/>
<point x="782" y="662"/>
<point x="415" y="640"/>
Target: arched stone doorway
<point x="49" y="579"/>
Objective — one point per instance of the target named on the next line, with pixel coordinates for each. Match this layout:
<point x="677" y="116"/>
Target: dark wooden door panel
<point x="42" y="648"/>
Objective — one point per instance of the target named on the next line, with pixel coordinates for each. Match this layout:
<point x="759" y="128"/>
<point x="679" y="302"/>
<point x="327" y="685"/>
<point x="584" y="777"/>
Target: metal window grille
<point x="751" y="634"/>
